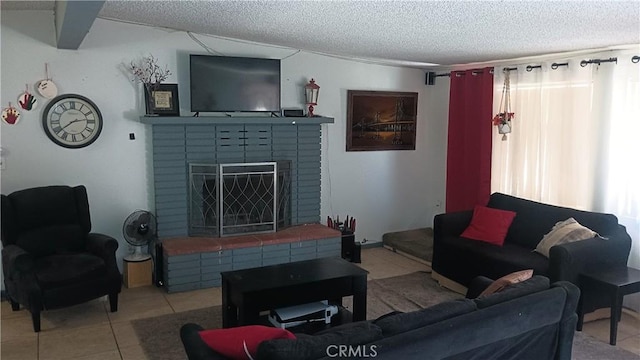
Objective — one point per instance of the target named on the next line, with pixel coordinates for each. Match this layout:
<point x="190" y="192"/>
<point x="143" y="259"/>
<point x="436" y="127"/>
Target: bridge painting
<point x="381" y="120"/>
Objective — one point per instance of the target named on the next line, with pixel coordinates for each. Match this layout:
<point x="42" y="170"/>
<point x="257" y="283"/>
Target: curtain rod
<point x="584" y="63"/>
<point x="462" y="72"/>
<point x="554" y="66"/>
<point x="635" y="59"/>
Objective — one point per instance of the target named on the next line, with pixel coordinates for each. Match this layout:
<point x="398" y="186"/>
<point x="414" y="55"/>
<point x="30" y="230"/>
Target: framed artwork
<point x="162" y="99"/>
<point x="381" y="120"/>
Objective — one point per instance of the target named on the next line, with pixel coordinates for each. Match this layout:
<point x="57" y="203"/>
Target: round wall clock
<point x="72" y="121"/>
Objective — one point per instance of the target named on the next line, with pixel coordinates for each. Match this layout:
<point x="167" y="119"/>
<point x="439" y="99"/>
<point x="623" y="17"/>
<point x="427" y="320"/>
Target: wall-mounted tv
<point x="230" y="84"/>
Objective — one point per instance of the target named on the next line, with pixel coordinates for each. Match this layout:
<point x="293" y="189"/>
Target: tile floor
<point x="89" y="331"/>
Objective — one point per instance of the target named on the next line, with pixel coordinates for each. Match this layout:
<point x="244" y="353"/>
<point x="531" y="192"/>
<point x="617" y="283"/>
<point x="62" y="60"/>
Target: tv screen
<point x="225" y="84"/>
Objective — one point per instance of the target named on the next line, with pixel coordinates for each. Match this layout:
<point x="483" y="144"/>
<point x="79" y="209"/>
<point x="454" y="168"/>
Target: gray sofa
<point x="527" y="320"/>
<point x="460" y="259"/>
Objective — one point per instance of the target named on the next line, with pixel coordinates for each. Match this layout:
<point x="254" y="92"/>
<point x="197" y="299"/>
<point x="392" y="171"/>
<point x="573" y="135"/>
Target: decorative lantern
<point x="311" y="91"/>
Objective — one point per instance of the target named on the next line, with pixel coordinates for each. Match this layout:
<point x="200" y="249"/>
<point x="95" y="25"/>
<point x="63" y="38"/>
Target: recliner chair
<point x="50" y="259"/>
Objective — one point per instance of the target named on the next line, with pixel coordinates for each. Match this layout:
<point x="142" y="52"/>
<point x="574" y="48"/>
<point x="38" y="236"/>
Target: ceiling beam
<point x="73" y="21"/>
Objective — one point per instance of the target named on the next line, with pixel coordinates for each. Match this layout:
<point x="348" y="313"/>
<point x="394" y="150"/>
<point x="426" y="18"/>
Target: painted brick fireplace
<point x="195" y="262"/>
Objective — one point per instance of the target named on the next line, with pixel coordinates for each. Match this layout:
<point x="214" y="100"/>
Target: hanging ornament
<point x="26" y="100"/>
<point x="503" y="119"/>
<point x="47" y="88"/>
<point x="10" y="115"/>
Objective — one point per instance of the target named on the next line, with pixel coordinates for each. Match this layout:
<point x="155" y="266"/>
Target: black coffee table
<point x="245" y="293"/>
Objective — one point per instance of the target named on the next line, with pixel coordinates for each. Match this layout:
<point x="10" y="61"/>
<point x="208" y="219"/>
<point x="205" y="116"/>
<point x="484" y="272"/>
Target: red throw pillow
<point x="489" y="225"/>
<point x="231" y="342"/>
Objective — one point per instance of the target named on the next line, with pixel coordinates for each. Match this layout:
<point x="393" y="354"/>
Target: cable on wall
<point x="288" y="56"/>
<point x="203" y="45"/>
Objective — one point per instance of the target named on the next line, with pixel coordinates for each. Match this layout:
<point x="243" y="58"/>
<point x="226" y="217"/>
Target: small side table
<point x="616" y="282"/>
<point x="137" y="272"/>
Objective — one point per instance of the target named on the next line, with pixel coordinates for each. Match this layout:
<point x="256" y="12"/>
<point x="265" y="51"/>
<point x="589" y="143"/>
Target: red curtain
<point x="469" y="139"/>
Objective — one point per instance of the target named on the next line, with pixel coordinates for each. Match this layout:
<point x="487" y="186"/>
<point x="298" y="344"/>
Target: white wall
<point x="385" y="190"/>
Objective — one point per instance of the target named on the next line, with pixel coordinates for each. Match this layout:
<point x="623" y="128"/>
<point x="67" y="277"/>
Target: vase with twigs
<point x="150" y="74"/>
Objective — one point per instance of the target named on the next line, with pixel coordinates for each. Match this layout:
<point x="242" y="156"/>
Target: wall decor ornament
<point x="26" y="100"/>
<point x="46" y="87"/>
<point x="504" y="116"/>
<point x="10" y="115"/>
<point x="151" y="75"/>
<point x="381" y="120"/>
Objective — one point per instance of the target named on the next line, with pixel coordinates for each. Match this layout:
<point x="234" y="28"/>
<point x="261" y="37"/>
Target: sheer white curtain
<point x="550" y="154"/>
<point x="575" y="139"/>
<point x="618" y="191"/>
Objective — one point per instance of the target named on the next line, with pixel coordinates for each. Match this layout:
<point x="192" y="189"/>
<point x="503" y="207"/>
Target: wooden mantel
<point x="234" y="120"/>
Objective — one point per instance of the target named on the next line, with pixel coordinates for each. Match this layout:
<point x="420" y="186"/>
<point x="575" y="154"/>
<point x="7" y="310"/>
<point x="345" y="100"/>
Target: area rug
<point x="160" y="336"/>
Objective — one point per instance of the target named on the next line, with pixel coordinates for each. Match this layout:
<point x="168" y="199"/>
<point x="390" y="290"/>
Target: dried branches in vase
<point x="150" y="74"/>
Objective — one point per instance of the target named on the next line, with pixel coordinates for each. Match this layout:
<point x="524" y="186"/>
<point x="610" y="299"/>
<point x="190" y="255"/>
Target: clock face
<point x="72" y="121"/>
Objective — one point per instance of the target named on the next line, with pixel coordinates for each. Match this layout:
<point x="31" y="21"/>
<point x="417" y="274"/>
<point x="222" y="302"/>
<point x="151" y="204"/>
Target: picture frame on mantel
<point x="162" y="100"/>
<point x="381" y="120"/>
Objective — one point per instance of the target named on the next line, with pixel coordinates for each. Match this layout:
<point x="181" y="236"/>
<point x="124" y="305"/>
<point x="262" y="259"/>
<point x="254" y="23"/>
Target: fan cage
<point x="130" y="222"/>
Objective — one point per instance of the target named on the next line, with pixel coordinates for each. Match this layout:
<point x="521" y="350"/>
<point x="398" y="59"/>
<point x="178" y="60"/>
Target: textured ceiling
<point x="439" y="32"/>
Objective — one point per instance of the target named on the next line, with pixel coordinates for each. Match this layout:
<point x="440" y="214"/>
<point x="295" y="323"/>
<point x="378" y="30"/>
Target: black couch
<point x="50" y="258"/>
<point x="460" y="259"/>
<point x="528" y="320"/>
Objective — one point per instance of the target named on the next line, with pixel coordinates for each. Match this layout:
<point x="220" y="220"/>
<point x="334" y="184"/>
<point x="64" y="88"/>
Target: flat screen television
<point x="234" y="84"/>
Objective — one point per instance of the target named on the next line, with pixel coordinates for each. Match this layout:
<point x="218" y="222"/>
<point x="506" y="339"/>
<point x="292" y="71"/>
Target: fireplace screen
<point x="232" y="199"/>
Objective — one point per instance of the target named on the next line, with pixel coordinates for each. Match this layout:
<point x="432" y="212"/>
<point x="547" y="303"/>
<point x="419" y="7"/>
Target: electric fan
<point x="139" y="229"/>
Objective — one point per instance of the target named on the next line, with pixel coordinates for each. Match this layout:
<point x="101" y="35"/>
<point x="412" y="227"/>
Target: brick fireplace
<point x="179" y="142"/>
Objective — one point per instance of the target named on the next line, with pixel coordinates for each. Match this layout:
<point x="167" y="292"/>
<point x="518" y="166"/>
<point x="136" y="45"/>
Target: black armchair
<point x="49" y="257"/>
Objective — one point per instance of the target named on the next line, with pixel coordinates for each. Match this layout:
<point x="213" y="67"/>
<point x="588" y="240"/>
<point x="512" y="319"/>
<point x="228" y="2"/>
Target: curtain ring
<point x="584" y="63"/>
<point x="529" y="68"/>
<point x="635" y="59"/>
<point x="555" y="66"/>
